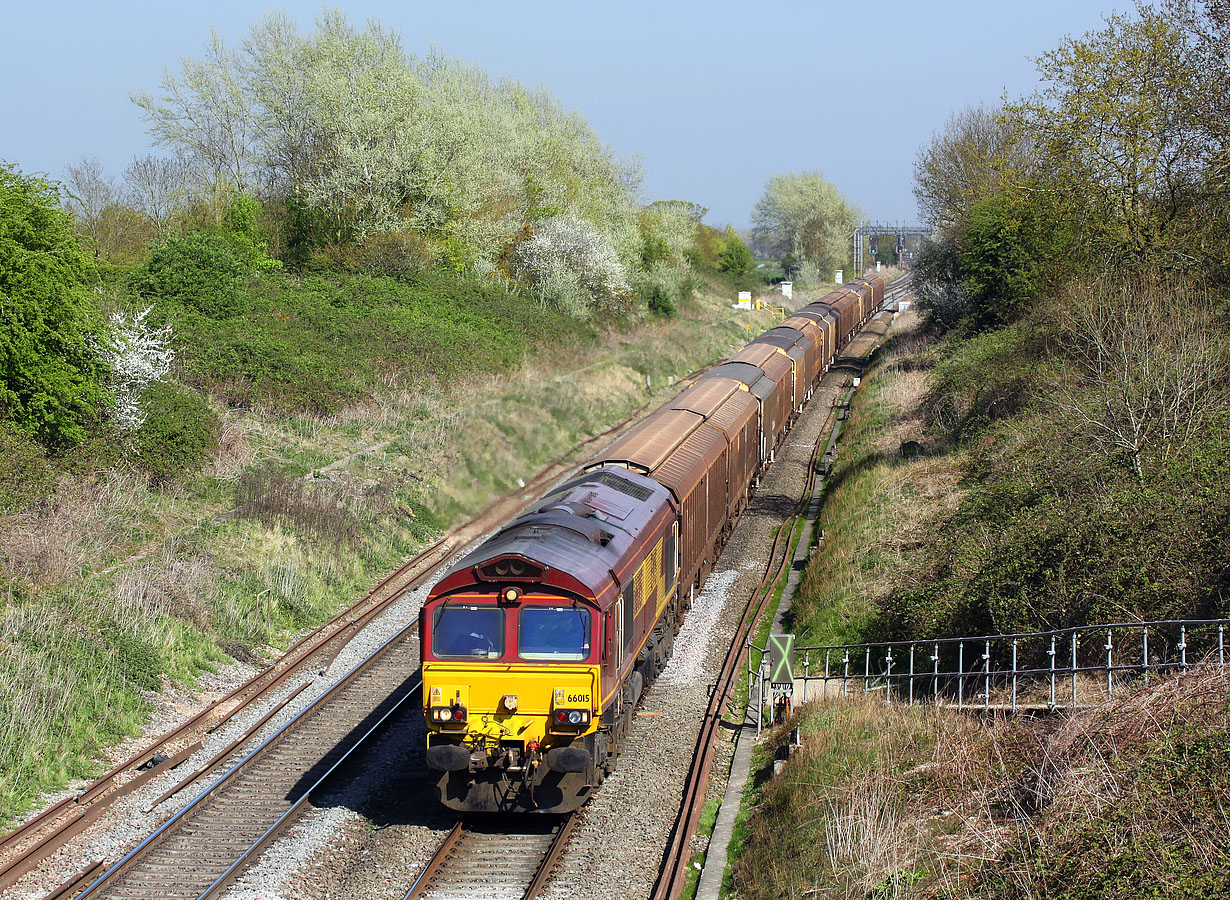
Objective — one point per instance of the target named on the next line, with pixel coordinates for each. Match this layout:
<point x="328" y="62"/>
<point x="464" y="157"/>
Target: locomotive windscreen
<point x="468" y="632"/>
<point x="554" y="633"/>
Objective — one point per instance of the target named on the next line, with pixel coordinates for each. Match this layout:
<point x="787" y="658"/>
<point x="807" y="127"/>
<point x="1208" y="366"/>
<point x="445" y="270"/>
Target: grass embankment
<point x="359" y="417"/>
<point x="1127" y="799"/>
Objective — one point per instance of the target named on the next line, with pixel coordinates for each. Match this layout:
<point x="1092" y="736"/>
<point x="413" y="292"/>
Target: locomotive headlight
<point x="449" y="715"/>
<point x="570" y="718"/>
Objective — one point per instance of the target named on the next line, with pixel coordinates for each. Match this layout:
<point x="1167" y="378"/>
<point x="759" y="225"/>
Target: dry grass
<point x="80" y="525"/>
<point x="879" y="504"/>
<point x="916" y="803"/>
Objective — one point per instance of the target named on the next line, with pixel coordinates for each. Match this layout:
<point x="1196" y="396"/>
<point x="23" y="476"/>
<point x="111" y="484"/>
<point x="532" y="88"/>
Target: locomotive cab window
<point x="554" y="633"/>
<point x="468" y="632"/>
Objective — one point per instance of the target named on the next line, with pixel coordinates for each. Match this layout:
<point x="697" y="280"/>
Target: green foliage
<point x="804" y="217"/>
<point x="315" y="343"/>
<point x="26" y="476"/>
<point x="178" y="433"/>
<point x="1008" y="247"/>
<point x="50" y="375"/>
<point x="660" y="301"/>
<point x="735" y="258"/>
<point x="240" y="227"/>
<point x="367" y="139"/>
<point x="201" y="271"/>
<point x="1119" y="131"/>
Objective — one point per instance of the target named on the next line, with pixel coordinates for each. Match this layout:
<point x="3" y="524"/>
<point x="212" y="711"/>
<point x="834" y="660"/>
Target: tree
<point x="570" y="263"/>
<point x="208" y="114"/>
<point x="361" y="139"/>
<point x="50" y="373"/>
<point x="156" y="186"/>
<point x="735" y="258"/>
<point x="1149" y="364"/>
<point x="804" y="216"/>
<point x="90" y="193"/>
<point x="1117" y="131"/>
<point x="965" y="163"/>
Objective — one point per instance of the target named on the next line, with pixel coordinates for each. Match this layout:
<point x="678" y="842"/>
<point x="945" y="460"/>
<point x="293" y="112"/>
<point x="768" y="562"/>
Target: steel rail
<point x="463" y="848"/>
<point x="72" y="815"/>
<point x="231" y="777"/>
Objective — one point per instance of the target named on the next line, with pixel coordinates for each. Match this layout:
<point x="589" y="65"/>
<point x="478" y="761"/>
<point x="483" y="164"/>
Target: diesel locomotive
<point x="537" y="645"/>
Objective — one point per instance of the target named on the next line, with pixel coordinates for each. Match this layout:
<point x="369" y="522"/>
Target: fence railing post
<point x="960" y="675"/>
<point x="1183" y="646"/>
<point x="986" y="675"/>
<point x="806" y="672"/>
<point x="1051" y="653"/>
<point x="888" y="674"/>
<point x="911" y="702"/>
<point x="1074" y="670"/>
<point x="1144" y="650"/>
<point x="1110" y="664"/>
<point x="1014" y="674"/>
<point x="935" y="675"/>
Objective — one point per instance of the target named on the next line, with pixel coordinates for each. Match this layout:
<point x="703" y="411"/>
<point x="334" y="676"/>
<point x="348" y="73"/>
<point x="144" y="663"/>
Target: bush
<point x="660" y="302"/>
<point x="241" y="230"/>
<point x="202" y="271"/>
<point x="315" y="343"/>
<point x="50" y="377"/>
<point x="735" y="258"/>
<point x="178" y="433"/>
<point x="25" y="474"/>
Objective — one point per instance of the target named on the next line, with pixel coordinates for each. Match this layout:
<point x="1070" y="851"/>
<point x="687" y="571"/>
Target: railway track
<point x="36" y="839"/>
<point x="203" y="848"/>
<point x="200" y="850"/>
<point x="494" y="860"/>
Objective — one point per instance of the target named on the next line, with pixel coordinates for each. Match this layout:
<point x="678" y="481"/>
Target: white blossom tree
<point x="137" y="356"/>
<point x="570" y="263"/>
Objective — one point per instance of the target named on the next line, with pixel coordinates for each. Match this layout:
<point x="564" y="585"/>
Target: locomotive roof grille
<point x="611" y="480"/>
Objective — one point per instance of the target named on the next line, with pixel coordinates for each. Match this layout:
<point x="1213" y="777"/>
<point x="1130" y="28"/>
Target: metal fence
<point x="1070" y="667"/>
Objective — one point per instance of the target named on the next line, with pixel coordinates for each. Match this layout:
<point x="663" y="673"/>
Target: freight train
<point x="537" y="645"/>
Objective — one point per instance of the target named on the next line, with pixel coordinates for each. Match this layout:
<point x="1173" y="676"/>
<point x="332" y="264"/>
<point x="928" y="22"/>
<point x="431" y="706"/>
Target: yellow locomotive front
<point x="511" y="696"/>
<point x="531" y="646"/>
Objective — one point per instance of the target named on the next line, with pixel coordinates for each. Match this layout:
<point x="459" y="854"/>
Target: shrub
<point x="572" y="265"/>
<point x="660" y="301"/>
<point x="735" y="258"/>
<point x="25" y="474"/>
<point x="50" y="376"/>
<point x="201" y="271"/>
<point x="242" y="232"/>
<point x="178" y="433"/>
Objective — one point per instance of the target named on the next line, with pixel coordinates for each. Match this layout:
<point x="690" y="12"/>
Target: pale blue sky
<point x="716" y="96"/>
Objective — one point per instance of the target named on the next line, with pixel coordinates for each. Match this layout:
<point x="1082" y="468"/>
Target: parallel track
<point x="204" y="847"/>
<point x="486" y="861"/>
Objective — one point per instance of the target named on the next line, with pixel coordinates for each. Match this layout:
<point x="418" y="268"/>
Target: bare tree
<point x="91" y="192"/>
<point x="1148" y="364"/>
<point x="208" y="113"/>
<point x="963" y="164"/>
<point x="156" y="187"/>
